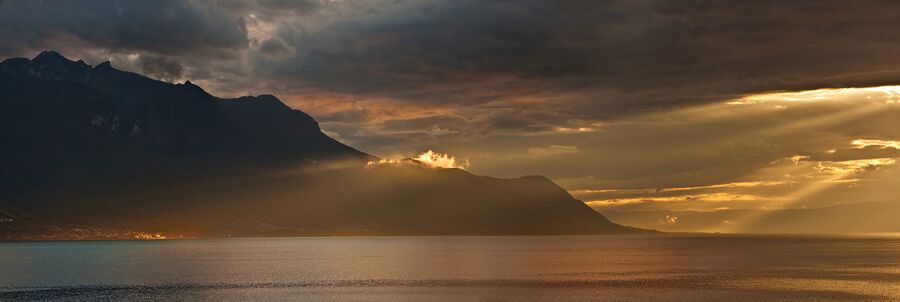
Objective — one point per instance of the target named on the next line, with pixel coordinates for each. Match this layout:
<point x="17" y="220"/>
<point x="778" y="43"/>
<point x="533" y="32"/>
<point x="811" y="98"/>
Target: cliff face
<point x="93" y="146"/>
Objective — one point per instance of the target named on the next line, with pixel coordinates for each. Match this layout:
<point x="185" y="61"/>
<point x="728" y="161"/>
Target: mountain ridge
<point x="96" y="147"/>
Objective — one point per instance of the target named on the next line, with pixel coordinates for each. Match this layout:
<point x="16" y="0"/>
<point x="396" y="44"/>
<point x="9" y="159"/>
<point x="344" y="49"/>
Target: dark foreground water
<point x="615" y="268"/>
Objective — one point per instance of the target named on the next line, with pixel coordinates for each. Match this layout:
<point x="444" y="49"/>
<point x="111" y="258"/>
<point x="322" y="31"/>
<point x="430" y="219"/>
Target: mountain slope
<point x="99" y="148"/>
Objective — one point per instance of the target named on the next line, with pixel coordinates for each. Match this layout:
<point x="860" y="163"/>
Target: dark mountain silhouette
<point x="95" y="148"/>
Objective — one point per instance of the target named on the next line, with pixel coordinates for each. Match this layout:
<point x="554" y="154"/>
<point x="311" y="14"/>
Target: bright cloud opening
<point x="889" y="94"/>
<point x="710" y="197"/>
<point x="428" y="158"/>
<point x="862" y="143"/>
<point x="848" y="170"/>
<point x="440" y="160"/>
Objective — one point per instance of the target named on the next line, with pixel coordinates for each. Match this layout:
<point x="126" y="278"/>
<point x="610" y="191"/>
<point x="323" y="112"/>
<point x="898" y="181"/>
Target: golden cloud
<point x="428" y="158"/>
<point x="863" y="143"/>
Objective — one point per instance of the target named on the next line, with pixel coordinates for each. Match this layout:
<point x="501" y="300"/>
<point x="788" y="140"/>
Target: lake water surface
<point x="615" y="268"/>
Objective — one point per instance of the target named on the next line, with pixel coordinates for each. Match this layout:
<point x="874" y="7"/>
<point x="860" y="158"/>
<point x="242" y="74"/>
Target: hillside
<point x="94" y="150"/>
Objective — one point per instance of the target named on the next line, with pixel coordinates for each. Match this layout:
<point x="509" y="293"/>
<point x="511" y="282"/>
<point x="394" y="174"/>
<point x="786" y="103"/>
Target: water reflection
<point x="415" y="268"/>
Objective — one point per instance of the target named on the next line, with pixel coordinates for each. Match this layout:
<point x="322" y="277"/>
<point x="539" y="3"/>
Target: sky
<point x="629" y="105"/>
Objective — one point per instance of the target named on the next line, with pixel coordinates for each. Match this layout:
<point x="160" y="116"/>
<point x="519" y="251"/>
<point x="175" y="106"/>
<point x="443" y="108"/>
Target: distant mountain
<point x="93" y="150"/>
<point x="863" y="217"/>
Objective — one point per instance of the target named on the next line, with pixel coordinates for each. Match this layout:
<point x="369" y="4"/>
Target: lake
<point x="614" y="268"/>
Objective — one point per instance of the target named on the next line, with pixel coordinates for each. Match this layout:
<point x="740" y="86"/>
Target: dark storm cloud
<point x="275" y="49"/>
<point x="295" y="6"/>
<point x="658" y="53"/>
<point x="163" y="27"/>
<point x="600" y="58"/>
<point x="271" y="7"/>
<point x="430" y="51"/>
<point x="416" y="124"/>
